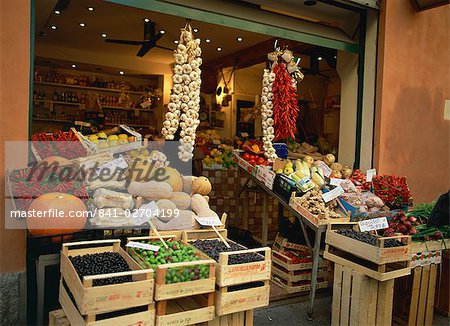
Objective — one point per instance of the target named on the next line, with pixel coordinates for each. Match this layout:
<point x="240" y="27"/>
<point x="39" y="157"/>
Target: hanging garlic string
<point x="266" y="114"/>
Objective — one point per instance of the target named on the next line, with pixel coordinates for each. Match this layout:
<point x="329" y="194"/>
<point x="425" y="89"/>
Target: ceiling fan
<point x="149" y="42"/>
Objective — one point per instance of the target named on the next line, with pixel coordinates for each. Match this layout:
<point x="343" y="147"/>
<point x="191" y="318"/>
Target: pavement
<point x="292" y="312"/>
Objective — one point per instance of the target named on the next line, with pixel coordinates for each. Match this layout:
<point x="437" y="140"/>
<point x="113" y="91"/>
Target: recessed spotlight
<point x="335" y="56"/>
<point x="319" y="58"/>
<point x="104" y="35"/>
<point x="121" y="72"/>
<point x="54" y="27"/>
<point x="219" y="49"/>
<point x="195" y="30"/>
<point x="162" y="31"/>
<point x="57" y="12"/>
<point x="74" y="66"/>
<point x="146" y="20"/>
<point x="90" y="8"/>
<point x="239" y="39"/>
<point x="82" y="24"/>
<point x="208" y="40"/>
<point x="176" y="41"/>
<point x="310" y="3"/>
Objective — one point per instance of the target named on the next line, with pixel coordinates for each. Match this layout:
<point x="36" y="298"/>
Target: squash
<point x="45" y="225"/>
<point x="181" y="199"/>
<point x="151" y="190"/>
<point x="207" y="198"/>
<point x="201" y="207"/>
<point x="141" y="171"/>
<point x="139" y="201"/>
<point x="166" y="210"/>
<point x="201" y="185"/>
<point x="167" y="174"/>
<point x="184" y="221"/>
<point x="187" y="183"/>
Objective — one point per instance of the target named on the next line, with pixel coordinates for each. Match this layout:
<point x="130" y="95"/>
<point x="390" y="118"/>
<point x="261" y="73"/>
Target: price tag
<point x="142" y="246"/>
<point x="244" y="134"/>
<point x="209" y="221"/>
<point x="326" y="169"/>
<point x="145" y="213"/>
<point x="336" y="181"/>
<point x="370" y="174"/>
<point x="332" y="194"/>
<point x="303" y="181"/>
<point x="113" y="165"/>
<point x="373" y="224"/>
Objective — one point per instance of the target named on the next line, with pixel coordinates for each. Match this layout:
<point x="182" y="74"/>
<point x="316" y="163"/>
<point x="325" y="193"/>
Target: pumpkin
<point x="181" y="199"/>
<point x="52" y="205"/>
<point x="56" y="159"/>
<point x="151" y="190"/>
<point x="201" y="185"/>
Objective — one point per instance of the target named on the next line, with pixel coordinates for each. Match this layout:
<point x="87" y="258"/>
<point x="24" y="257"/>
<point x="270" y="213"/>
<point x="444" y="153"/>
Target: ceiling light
<point x="310" y="2"/>
<point x="195" y="30"/>
<point x="162" y="31"/>
<point x="319" y="58"/>
<point x="90" y="8"/>
<point x="53" y="27"/>
<point x="146" y="20"/>
<point x="121" y="72"/>
<point x="239" y="39"/>
<point x="335" y="56"/>
<point x="57" y="12"/>
<point x="219" y="49"/>
<point x="176" y="41"/>
<point x="82" y="24"/>
<point x="208" y="40"/>
<point x="74" y="66"/>
<point x="104" y="35"/>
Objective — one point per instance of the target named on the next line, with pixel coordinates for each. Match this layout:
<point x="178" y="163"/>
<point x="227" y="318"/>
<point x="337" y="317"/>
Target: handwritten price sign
<point x="373" y="224"/>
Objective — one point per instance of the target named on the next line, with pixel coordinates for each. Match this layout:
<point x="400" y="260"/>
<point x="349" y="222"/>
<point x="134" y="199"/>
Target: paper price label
<point x="145" y="213"/>
<point x="145" y="246"/>
<point x="209" y="221"/>
<point x="373" y="224"/>
<point x="326" y="169"/>
<point x="370" y="174"/>
<point x="244" y="134"/>
<point x="336" y="181"/>
<point x="332" y="194"/>
<point x="113" y="165"/>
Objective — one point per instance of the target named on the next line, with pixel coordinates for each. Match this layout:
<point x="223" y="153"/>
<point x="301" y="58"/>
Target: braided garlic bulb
<point x="266" y="114"/>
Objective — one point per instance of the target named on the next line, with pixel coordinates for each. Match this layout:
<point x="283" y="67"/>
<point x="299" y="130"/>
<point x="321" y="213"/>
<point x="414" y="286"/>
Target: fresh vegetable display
<point x="401" y="223"/>
<point x="53" y="144"/>
<point x="102" y="263"/>
<point x="393" y="190"/>
<point x="175" y="253"/>
<point x="422" y="211"/>
<point x="426" y="233"/>
<point x="255" y="159"/>
<point x="359" y="179"/>
<point x="368" y="238"/>
<point x="313" y="202"/>
<point x="213" y="247"/>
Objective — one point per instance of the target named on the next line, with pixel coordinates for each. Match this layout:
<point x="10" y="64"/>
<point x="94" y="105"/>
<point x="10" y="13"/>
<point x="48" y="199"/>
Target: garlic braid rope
<point x="185" y="98"/>
<point x="266" y="114"/>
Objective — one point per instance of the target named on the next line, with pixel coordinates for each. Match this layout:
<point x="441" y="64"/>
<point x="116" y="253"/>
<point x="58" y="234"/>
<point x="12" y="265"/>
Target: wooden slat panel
<point x="423" y="295"/>
<point x="345" y="299"/>
<point x="431" y="293"/>
<point x="364" y="300"/>
<point x="372" y="304"/>
<point x="385" y="302"/>
<point x="337" y="290"/>
<point x="417" y="275"/>
<point x="357" y="292"/>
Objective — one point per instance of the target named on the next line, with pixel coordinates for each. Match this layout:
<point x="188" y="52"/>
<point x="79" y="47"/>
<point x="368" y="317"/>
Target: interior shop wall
<point x="411" y="135"/>
<point x="347" y="64"/>
<point x="14" y="90"/>
<point x="230" y="111"/>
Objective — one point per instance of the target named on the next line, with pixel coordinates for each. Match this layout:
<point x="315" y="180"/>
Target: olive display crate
<point x="165" y="291"/>
<point x="376" y="261"/>
<point x="229" y="301"/>
<point x="145" y="317"/>
<point x="243" y="163"/>
<point x="359" y="299"/>
<point x="237" y="273"/>
<point x="295" y="287"/>
<point x="185" y="311"/>
<point x="284" y="243"/>
<point x="286" y="262"/>
<point x="242" y="318"/>
<point x="296" y="276"/>
<point x="91" y="299"/>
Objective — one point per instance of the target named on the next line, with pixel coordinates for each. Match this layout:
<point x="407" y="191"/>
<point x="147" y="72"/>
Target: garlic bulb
<point x="266" y="114"/>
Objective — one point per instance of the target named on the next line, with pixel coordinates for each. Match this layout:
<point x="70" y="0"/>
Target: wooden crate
<point x="443" y="290"/>
<point x="414" y="297"/>
<point x="295" y="287"/>
<point x="229" y="301"/>
<point x="165" y="291"/>
<point x="238" y="273"/>
<point x="58" y="318"/>
<point x="185" y="311"/>
<point x="96" y="299"/>
<point x="284" y="243"/>
<point x="296" y="276"/>
<point x="287" y="262"/>
<point x="377" y="261"/>
<point x="243" y="318"/>
<point x="359" y="299"/>
<point x="144" y="318"/>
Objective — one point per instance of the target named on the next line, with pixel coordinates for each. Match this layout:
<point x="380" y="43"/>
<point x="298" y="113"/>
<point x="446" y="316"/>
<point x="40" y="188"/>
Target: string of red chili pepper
<point x="285" y="109"/>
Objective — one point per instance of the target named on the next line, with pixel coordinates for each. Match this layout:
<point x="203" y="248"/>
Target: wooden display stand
<point x="443" y="288"/>
<point x="57" y="318"/>
<point x="359" y="299"/>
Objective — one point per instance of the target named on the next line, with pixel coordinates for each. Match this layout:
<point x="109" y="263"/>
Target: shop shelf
<point x="100" y="89"/>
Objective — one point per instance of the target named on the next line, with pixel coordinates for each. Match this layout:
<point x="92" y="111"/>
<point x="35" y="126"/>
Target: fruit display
<point x="255" y="159"/>
<point x="217" y="151"/>
<point x="213" y="248"/>
<point x="368" y="238"/>
<point x="393" y="190"/>
<point x="102" y="263"/>
<point x="359" y="179"/>
<point x="53" y="144"/>
<point x="175" y="253"/>
<point x="103" y="140"/>
<point x="313" y="202"/>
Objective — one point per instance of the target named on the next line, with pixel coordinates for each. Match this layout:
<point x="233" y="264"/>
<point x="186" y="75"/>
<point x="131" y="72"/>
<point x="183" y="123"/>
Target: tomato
<point x="260" y="161"/>
<point x="246" y="156"/>
<point x="252" y="162"/>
